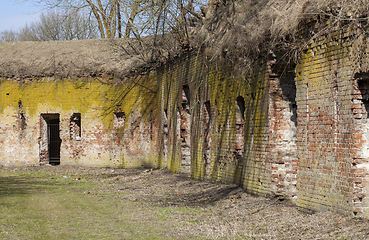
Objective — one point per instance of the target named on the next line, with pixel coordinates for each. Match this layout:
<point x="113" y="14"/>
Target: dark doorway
<point x="50" y="139"/>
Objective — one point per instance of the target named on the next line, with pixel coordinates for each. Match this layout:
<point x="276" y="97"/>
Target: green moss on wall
<point x="221" y="89"/>
<point x="75" y="95"/>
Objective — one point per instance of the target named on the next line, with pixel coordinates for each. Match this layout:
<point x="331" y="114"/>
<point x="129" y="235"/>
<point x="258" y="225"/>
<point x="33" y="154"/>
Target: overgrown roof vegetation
<point x="83" y="58"/>
<point x="238" y="32"/>
<point x="227" y="31"/>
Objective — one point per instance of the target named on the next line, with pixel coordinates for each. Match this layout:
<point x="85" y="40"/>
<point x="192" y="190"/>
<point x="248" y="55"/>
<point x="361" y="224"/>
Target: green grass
<point x="83" y="203"/>
<point x="35" y="205"/>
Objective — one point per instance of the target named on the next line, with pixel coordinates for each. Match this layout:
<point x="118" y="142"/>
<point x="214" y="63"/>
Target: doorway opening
<point x="50" y="139"/>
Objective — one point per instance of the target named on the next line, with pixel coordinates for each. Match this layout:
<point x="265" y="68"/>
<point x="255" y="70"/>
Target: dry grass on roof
<point x="115" y="57"/>
<point x="233" y="32"/>
<point x="238" y="32"/>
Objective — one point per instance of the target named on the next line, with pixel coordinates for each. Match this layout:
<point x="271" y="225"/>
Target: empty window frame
<point x="75" y="127"/>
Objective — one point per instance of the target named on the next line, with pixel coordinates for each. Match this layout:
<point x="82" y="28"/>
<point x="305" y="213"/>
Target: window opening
<point x="241" y="106"/>
<point x="119" y="119"/>
<point x="22" y="117"/>
<point x="239" y="128"/>
<point x="185" y="129"/>
<point x="186" y="97"/>
<point x="207" y="136"/>
<point x="75" y="127"/>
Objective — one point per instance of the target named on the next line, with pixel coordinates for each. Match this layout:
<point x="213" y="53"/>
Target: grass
<point x="68" y="202"/>
<point x="35" y="205"/>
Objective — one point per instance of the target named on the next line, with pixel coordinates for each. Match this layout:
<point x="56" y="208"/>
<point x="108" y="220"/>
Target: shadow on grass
<point x="204" y="192"/>
<point x="19" y="185"/>
<point x="212" y="195"/>
<point x="181" y="190"/>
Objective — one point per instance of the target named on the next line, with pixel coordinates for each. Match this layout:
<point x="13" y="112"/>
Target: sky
<point x="15" y="14"/>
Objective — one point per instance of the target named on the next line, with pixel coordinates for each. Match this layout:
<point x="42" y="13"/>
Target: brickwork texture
<point x="298" y="131"/>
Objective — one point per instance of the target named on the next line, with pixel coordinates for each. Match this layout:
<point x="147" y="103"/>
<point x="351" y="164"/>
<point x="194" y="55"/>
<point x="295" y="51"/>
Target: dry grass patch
<point x="98" y="203"/>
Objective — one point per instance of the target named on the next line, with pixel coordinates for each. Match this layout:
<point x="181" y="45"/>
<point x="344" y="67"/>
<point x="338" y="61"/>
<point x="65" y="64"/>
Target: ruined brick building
<point x="294" y="130"/>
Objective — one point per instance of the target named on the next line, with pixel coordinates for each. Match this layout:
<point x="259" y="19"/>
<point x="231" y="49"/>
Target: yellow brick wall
<point x="101" y="144"/>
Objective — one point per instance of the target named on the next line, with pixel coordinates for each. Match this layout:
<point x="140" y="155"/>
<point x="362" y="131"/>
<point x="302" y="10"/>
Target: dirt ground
<point x="206" y="210"/>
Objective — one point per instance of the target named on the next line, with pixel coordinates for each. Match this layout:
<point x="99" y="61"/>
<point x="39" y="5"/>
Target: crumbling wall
<point x="295" y="131"/>
<point x="282" y="128"/>
<point x="326" y="137"/>
<point x="227" y="125"/>
<point x="254" y="172"/>
<point x="360" y="109"/>
<point x="101" y="124"/>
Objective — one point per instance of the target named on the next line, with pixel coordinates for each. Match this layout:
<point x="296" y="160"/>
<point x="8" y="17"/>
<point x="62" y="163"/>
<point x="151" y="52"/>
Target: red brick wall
<point x="325" y="126"/>
<point x="240" y="130"/>
<point x="296" y="131"/>
<point x="282" y="129"/>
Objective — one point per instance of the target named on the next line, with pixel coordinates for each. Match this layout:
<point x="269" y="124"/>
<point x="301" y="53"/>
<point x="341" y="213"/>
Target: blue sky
<point x="14" y="14"/>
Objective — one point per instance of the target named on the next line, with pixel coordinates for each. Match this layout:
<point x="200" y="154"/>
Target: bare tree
<point x="104" y="11"/>
<point x="8" y="36"/>
<point x="168" y="22"/>
<point x="140" y="17"/>
<point x="55" y="25"/>
<point x="27" y="33"/>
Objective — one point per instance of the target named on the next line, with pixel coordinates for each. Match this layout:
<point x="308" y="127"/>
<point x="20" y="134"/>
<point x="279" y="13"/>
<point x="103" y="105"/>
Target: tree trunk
<point x="95" y="11"/>
<point x="119" y="19"/>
